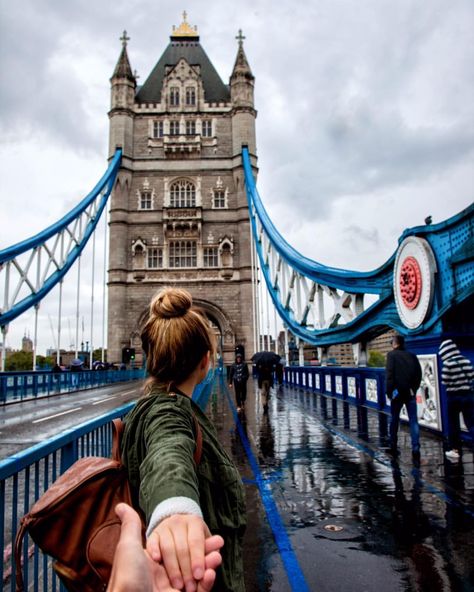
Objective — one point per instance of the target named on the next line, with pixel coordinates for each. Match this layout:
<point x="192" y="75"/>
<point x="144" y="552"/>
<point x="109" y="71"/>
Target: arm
<point x="418" y="374"/>
<point x="231" y="374"/>
<point x="169" y="494"/>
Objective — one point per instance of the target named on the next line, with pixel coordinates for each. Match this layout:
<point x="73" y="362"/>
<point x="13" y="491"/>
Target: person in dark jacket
<point x="457" y="375"/>
<point x="265" y="380"/>
<point x="183" y="500"/>
<point x="403" y="378"/>
<point x="238" y="376"/>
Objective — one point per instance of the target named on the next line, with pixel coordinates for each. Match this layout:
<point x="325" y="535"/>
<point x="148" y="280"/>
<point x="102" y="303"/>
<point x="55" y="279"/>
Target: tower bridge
<point x="183" y="208"/>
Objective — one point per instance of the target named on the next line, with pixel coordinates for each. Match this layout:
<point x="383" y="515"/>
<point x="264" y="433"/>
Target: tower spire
<point x="123" y="68"/>
<point x="241" y="66"/>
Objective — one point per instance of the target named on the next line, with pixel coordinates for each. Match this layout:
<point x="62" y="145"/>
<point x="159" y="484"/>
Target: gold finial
<point x="124" y="39"/>
<point x="240" y="38"/>
<point x="184" y="29"/>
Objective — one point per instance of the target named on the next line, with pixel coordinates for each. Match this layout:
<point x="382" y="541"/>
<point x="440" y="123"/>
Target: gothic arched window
<point x="182" y="194"/>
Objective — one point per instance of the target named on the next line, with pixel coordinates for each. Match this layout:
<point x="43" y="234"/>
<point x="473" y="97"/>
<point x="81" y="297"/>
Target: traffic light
<point x="128" y="354"/>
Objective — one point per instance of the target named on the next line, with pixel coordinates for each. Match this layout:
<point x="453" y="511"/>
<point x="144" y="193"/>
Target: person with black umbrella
<point x="265" y="363"/>
<point x="239" y="374"/>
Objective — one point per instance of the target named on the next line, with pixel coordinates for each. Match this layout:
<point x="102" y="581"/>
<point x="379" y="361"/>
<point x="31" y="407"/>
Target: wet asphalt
<point x="328" y="510"/>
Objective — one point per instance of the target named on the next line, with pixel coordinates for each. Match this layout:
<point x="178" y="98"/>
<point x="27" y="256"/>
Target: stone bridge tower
<point x="179" y="211"/>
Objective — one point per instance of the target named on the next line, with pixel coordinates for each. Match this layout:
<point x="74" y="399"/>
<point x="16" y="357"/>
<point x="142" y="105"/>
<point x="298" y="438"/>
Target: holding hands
<point x="180" y="554"/>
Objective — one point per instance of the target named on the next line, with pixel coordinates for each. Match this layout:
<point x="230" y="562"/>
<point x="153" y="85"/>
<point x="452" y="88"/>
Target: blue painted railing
<point x="19" y="386"/>
<point x="363" y="386"/>
<point x="25" y="476"/>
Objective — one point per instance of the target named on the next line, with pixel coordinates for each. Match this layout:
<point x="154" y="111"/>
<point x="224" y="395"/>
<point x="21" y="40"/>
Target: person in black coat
<point x="238" y="376"/>
<point x="403" y="378"/>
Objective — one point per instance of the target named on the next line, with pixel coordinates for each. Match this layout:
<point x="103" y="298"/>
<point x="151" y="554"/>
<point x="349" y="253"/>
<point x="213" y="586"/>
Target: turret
<point x="123" y="85"/>
<point x="241" y="91"/>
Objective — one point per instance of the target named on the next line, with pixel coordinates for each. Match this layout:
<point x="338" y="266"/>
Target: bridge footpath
<point x="328" y="510"/>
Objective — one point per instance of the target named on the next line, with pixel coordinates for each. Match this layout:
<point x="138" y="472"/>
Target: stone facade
<point x="179" y="212"/>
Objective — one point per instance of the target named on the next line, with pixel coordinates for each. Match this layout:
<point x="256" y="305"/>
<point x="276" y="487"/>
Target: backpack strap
<point x="118" y="427"/>
<point x="20" y="535"/>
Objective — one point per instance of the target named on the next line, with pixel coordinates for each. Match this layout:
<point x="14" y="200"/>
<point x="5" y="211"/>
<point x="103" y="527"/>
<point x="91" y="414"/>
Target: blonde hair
<point x="175" y="338"/>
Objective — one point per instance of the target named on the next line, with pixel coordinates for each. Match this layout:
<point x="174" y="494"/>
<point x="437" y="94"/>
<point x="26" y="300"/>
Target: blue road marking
<point x="293" y="570"/>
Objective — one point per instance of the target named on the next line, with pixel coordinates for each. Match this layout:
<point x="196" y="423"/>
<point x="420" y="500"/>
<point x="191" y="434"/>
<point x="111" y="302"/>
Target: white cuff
<point x="170" y="506"/>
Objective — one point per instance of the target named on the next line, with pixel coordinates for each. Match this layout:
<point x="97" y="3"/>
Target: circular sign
<point x="410" y="282"/>
<point x="413" y="281"/>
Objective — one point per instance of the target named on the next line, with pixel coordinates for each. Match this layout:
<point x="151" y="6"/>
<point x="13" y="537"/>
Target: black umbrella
<point x="266" y="357"/>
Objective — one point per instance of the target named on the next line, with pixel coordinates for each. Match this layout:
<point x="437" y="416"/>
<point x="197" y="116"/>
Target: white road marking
<point x="128" y="392"/>
<point x="56" y="415"/>
<point x="103" y="400"/>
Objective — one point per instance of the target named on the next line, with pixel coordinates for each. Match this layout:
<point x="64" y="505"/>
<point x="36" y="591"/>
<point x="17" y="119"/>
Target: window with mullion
<point x="182" y="195"/>
<point x="190" y="128"/>
<point x="207" y="128"/>
<point x="190" y="96"/>
<point x="211" y="257"/>
<point x="158" y="129"/>
<point x="182" y="254"/>
<point x="174" y="128"/>
<point x="174" y="96"/>
<point x="145" y="200"/>
<point x="154" y="257"/>
<point x="219" y="199"/>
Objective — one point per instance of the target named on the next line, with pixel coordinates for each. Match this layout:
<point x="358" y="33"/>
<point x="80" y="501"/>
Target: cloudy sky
<point x="365" y="115"/>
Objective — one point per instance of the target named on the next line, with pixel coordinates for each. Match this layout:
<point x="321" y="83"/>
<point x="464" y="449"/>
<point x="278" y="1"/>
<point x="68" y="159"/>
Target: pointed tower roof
<point x="184" y="43"/>
<point x="241" y="66"/>
<point x="123" y="68"/>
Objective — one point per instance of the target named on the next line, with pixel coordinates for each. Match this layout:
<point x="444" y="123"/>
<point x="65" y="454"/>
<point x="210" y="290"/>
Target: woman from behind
<point x="183" y="499"/>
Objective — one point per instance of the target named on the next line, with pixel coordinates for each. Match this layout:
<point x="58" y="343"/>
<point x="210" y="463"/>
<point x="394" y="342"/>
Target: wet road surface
<point x="24" y="424"/>
<point x="329" y="511"/>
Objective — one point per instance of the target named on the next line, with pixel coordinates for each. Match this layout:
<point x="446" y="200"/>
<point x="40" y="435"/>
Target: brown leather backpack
<point x="74" y="521"/>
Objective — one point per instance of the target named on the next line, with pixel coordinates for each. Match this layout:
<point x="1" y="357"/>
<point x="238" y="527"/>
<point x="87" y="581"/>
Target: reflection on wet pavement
<point x="353" y="519"/>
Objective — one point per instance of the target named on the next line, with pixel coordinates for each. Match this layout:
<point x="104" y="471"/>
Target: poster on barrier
<point x="427" y="396"/>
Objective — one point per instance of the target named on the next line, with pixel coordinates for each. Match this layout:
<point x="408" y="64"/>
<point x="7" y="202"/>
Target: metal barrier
<point x="25" y="476"/>
<point x="18" y="386"/>
<point x="366" y="386"/>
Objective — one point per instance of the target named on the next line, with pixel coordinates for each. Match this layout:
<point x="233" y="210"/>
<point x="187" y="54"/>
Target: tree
<point x="97" y="355"/>
<point x="18" y="361"/>
<point x="376" y="359"/>
<point x="45" y="362"/>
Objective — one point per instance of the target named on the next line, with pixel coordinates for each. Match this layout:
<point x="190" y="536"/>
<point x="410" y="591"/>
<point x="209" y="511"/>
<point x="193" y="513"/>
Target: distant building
<point x="26" y="344"/>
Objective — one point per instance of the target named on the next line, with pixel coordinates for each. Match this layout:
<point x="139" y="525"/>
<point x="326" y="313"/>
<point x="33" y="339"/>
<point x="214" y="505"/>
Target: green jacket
<point x="157" y="449"/>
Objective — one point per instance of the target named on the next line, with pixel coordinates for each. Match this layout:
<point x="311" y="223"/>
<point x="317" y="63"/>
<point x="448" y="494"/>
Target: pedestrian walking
<point x="457" y="375"/>
<point x="238" y="377"/>
<point x="403" y="378"/>
<point x="183" y="499"/>
<point x="265" y="381"/>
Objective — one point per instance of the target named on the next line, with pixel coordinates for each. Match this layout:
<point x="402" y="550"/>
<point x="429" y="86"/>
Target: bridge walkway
<point x="329" y="510"/>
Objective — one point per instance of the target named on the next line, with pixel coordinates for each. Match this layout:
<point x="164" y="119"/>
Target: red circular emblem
<point x="410" y="282"/>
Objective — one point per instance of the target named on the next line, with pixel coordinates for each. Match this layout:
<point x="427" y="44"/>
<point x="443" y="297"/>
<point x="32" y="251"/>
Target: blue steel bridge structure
<point x="424" y="291"/>
<point x="417" y="291"/>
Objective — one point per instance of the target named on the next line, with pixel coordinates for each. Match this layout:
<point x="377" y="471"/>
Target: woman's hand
<point x="185" y="547"/>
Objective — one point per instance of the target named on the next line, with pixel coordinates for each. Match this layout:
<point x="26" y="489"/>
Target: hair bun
<point x="170" y="303"/>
